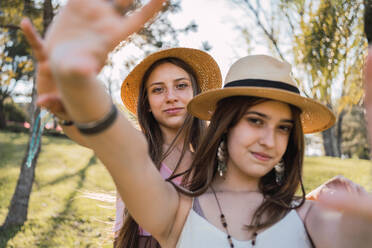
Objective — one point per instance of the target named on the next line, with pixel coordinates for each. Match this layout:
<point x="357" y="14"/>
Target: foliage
<point x="16" y="64"/>
<point x="14" y="113"/>
<point x="325" y="42"/>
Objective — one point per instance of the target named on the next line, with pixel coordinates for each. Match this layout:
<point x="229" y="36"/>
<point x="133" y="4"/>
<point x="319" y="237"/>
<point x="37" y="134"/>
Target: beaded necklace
<point x="224" y="223"/>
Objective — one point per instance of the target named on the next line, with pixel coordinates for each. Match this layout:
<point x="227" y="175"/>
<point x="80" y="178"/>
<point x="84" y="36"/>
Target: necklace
<point x="224" y="223"/>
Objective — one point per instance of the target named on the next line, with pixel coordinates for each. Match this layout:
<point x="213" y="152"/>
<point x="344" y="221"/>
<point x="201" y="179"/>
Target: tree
<point x="324" y="40"/>
<point x="18" y="208"/>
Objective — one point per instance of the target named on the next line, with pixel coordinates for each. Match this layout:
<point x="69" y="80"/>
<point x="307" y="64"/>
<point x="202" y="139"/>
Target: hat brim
<point x="206" y="70"/>
<point x="315" y="117"/>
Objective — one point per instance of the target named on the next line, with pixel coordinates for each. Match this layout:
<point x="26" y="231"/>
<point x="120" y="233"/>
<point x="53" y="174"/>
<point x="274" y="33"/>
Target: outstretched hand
<point x="85" y="31"/>
<point x="335" y="183"/>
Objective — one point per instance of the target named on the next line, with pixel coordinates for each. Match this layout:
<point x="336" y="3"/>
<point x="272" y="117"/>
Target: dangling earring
<point x="279" y="172"/>
<point x="221" y="158"/>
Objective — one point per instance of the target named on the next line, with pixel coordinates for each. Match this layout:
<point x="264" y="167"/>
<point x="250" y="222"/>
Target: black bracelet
<point x="100" y="125"/>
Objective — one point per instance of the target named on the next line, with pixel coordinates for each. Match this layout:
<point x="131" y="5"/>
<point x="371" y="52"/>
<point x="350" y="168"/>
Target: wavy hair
<point x="192" y="129"/>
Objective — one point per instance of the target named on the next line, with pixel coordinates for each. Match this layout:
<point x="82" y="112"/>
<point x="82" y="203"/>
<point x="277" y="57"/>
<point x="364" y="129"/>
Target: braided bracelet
<point x="99" y="126"/>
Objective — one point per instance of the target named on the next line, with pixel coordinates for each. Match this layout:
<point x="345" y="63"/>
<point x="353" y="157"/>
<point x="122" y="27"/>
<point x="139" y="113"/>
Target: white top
<point x="289" y="232"/>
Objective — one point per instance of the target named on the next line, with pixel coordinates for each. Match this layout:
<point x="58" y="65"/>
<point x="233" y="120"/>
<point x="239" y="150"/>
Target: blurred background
<point x="55" y="193"/>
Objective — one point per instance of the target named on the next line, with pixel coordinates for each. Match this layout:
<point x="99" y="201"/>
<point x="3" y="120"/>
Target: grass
<point x="60" y="213"/>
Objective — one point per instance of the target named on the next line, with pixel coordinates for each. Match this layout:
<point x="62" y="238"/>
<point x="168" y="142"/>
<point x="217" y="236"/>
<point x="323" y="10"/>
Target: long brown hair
<point x="278" y="198"/>
<point x="192" y="131"/>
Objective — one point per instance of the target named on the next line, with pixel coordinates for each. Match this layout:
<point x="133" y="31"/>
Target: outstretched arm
<point x="77" y="44"/>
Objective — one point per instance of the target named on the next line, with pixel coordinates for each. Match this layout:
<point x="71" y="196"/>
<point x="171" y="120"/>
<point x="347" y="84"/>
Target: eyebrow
<point x="267" y="117"/>
<point x="176" y="80"/>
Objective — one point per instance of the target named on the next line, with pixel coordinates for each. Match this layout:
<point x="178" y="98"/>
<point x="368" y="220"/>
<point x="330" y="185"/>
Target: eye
<point x="285" y="128"/>
<point x="182" y="85"/>
<point x="157" y="90"/>
<point x="255" y="121"/>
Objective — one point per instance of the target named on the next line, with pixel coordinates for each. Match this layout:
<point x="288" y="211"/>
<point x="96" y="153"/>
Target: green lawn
<point x="62" y="211"/>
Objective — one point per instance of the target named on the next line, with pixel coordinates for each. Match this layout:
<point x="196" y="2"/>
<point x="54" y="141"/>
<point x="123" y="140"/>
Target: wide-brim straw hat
<point x="266" y="77"/>
<point x="206" y="70"/>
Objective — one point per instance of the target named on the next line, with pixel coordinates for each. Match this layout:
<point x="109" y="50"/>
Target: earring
<point x="279" y="172"/>
<point x="221" y="158"/>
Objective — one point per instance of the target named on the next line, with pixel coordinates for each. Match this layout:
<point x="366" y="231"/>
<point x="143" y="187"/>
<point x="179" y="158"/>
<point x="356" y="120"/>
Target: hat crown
<point x="261" y="67"/>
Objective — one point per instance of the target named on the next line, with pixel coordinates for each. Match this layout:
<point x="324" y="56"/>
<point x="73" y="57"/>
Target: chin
<point x="173" y="124"/>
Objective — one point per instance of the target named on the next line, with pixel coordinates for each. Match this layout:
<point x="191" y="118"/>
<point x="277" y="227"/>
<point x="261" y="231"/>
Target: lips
<point x="261" y="156"/>
<point x="173" y="111"/>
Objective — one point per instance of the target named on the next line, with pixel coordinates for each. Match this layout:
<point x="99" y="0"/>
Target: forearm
<point x="73" y="133"/>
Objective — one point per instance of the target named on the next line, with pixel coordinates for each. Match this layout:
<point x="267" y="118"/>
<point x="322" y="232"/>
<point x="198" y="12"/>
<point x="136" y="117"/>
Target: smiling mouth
<point x="261" y="156"/>
<point x="173" y="110"/>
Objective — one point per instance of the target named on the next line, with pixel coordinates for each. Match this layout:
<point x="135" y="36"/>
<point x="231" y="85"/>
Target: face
<point x="169" y="90"/>
<point x="259" y="140"/>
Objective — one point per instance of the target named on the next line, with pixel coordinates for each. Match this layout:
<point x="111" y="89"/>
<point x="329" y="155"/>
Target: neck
<point x="236" y="181"/>
<point x="169" y="135"/>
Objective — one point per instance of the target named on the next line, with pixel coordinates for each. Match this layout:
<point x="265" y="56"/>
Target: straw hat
<point x="207" y="72"/>
<point x="266" y="77"/>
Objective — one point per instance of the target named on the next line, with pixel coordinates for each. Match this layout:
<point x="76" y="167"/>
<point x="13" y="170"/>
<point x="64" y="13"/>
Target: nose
<point x="171" y="96"/>
<point x="267" y="137"/>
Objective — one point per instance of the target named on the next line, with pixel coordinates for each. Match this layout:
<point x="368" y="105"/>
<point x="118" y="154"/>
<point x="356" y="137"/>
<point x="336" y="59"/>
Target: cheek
<point x="154" y="101"/>
<point x="282" y="144"/>
<point x="187" y="95"/>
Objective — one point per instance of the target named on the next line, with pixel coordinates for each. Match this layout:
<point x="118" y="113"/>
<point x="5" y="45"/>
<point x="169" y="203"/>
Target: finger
<point x="34" y="39"/>
<point x="52" y="102"/>
<point x="355" y="204"/>
<point x="137" y="19"/>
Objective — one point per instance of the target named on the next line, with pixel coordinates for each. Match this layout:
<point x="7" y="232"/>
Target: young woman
<point x="157" y="90"/>
<point x="155" y="204"/>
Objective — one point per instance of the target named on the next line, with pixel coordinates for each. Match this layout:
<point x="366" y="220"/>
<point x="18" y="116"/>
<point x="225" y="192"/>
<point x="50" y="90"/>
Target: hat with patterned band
<point x="266" y="77"/>
<point x="206" y="70"/>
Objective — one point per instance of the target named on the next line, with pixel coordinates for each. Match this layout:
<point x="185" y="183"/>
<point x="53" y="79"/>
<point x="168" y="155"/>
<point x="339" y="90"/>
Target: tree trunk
<point x="368" y="20"/>
<point x="340" y="119"/>
<point x="2" y="115"/>
<point x="330" y="142"/>
<point x="17" y="214"/>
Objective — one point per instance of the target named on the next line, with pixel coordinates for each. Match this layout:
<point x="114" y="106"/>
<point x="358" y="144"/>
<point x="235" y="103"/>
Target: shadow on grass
<point x="91" y="162"/>
<point x="7" y="234"/>
<point x="46" y="237"/>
